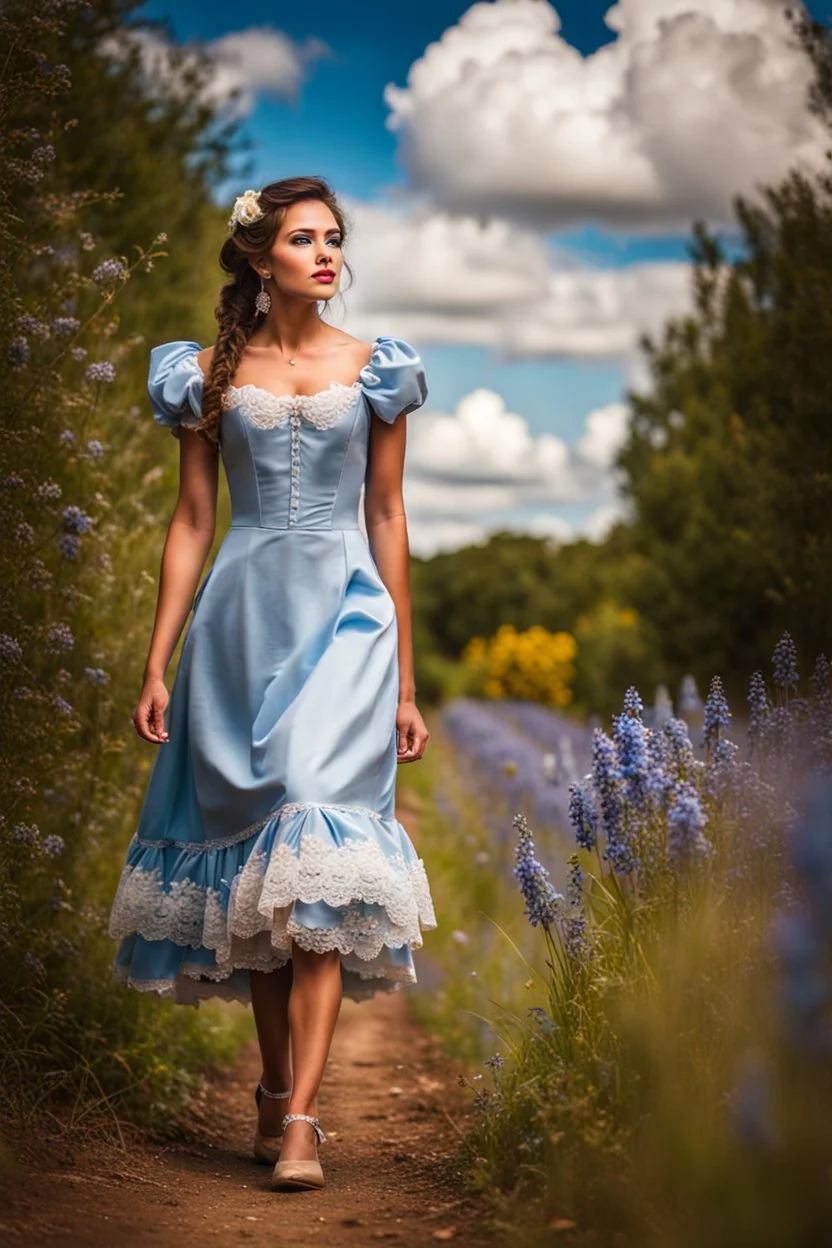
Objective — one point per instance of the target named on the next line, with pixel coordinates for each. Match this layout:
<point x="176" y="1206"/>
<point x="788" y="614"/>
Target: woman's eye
<point x="304" y="238"/>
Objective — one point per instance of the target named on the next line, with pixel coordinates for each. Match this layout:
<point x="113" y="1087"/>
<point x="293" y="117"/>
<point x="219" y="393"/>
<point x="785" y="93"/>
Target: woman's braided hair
<point x="236" y="314"/>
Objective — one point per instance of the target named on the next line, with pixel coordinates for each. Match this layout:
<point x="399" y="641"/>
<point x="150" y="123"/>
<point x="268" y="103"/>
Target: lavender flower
<point x="685" y="822"/>
<point x="65" y="325"/>
<point x="49" y="491"/>
<point x="67" y="438"/>
<point x="96" y="675"/>
<point x="11" y="650"/>
<point x="69" y="545"/>
<point x="608" y="786"/>
<point x="54" y="845"/>
<point x="108" y="271"/>
<point x="538" y="890"/>
<point x="95" y="448"/>
<point x="62" y="705"/>
<point x="784" y="663"/>
<point x="26" y="833"/>
<point x="583" y="816"/>
<point x="759" y="710"/>
<point x="103" y="370"/>
<point x="75" y="520"/>
<point x="59" y="639"/>
<point x="495" y="1061"/>
<point x="717" y="714"/>
<point x="574" y="924"/>
<point x="633" y="704"/>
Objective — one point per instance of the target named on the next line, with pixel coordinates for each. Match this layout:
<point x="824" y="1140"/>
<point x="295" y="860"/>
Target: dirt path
<point x="388" y="1162"/>
<point x="390" y="1104"/>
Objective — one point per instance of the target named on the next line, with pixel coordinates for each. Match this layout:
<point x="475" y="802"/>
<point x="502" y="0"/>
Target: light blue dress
<point x="269" y="814"/>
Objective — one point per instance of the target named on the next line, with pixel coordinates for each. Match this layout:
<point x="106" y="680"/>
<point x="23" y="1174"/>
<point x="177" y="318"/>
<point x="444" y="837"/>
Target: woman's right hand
<point x="148" y="713"/>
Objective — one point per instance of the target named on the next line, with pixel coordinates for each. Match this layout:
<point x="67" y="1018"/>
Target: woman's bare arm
<point x="189" y="539"/>
<point x="386" y="522"/>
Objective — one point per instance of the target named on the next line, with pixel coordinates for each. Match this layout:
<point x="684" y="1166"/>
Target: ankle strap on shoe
<point x="316" y="1123"/>
<point x="274" y="1096"/>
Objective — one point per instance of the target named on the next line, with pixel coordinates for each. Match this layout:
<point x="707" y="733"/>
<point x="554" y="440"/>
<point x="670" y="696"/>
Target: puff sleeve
<point x="174" y="384"/>
<point x="394" y="379"/>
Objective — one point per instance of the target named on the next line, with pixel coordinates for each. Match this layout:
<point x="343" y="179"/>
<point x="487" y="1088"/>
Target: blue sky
<point x="335" y="126"/>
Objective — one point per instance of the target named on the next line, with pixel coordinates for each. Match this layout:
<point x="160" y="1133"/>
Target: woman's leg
<point x="314" y="1003"/>
<point x="270" y="1004"/>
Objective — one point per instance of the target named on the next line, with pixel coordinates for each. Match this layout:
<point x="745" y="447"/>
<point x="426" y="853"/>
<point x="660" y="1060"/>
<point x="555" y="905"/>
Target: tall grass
<point x="669" y="1080"/>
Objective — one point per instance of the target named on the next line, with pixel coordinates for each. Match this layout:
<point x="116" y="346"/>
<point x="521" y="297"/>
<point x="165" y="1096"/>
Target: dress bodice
<point x="292" y="461"/>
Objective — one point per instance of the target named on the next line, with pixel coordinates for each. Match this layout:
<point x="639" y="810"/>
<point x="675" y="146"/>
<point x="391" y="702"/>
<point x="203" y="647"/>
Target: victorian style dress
<point x="269" y="814"/>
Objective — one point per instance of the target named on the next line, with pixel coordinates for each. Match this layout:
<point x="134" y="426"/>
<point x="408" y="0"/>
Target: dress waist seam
<point x="299" y="528"/>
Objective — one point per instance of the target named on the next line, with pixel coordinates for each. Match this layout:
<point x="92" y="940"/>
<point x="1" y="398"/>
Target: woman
<point x="268" y="864"/>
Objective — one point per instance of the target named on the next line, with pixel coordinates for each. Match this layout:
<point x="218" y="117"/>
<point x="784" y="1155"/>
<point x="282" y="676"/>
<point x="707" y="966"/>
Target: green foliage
<point x="527" y="581"/>
<point x="728" y="462"/>
<point x="99" y="160"/>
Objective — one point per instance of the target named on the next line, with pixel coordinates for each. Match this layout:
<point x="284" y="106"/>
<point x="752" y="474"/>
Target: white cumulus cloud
<point x="479" y="469"/>
<point x="458" y="279"/>
<point x="256" y="61"/>
<point x="695" y="101"/>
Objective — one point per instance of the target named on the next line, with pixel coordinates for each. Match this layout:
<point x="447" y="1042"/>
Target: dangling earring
<point x="264" y="300"/>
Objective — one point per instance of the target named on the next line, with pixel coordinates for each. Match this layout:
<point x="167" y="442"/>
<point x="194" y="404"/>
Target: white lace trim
<point x="267" y="410"/>
<point x="288" y="808"/>
<point x="261" y="903"/>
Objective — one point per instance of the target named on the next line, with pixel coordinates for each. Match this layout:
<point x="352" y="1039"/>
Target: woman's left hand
<point x="413" y="736"/>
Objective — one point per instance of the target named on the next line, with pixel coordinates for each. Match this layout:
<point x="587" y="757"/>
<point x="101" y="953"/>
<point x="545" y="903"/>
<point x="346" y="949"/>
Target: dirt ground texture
<point x="392" y="1109"/>
<point x="394" y="1114"/>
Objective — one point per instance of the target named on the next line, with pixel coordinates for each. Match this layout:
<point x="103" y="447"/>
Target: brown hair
<point x="236" y="314"/>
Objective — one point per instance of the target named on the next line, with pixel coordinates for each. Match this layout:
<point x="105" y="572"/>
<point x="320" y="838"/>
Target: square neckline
<point x="251" y="387"/>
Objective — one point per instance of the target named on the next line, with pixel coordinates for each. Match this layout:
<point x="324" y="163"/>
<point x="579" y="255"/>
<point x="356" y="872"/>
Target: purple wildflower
<point x="685" y="822"/>
<point x="33" y="963"/>
<point x="78" y="353"/>
<point x="54" y="845"/>
<point x="12" y="481"/>
<point x="95" y="448"/>
<point x="59" y="639"/>
<point x="108" y="271"/>
<point x="65" y="325"/>
<point x="75" y="520"/>
<point x="608" y="786"/>
<point x="495" y="1061"/>
<point x="103" y="370"/>
<point x="717" y="714"/>
<point x="759" y="710"/>
<point x="62" y="705"/>
<point x="538" y="890"/>
<point x="96" y="675"/>
<point x="11" y="650"/>
<point x="49" y="491"/>
<point x="67" y="437"/>
<point x="24" y="534"/>
<point x="26" y="833"/>
<point x="633" y="704"/>
<point x="784" y="663"/>
<point x="583" y="816"/>
<point x="69" y="545"/>
<point x="574" y="923"/>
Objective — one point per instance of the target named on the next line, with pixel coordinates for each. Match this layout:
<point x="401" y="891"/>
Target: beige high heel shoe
<point x="299" y="1176"/>
<point x="266" y="1148"/>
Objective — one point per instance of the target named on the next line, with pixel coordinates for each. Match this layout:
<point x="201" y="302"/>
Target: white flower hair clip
<point x="246" y="210"/>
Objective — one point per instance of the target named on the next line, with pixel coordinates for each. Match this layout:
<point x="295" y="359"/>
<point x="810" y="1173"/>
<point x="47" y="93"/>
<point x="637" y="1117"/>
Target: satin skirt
<point x="269" y="815"/>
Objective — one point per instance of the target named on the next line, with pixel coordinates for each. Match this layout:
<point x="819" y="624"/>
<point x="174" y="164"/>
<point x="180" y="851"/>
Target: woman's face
<point x="308" y="241"/>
